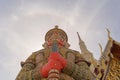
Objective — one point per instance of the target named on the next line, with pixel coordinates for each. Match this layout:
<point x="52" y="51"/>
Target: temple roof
<point x="116" y="49"/>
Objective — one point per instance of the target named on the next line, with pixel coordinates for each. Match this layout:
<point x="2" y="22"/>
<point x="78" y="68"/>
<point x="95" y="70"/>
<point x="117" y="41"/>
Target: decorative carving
<point x="114" y="70"/>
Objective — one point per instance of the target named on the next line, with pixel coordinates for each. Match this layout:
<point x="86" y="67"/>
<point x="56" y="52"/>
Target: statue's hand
<point x="55" y="61"/>
<point x="57" y="57"/>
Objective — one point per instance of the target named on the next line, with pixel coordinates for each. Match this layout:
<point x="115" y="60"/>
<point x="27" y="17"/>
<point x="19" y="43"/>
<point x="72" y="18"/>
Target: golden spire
<point x="85" y="52"/>
<point x="82" y="45"/>
<point x="79" y="36"/>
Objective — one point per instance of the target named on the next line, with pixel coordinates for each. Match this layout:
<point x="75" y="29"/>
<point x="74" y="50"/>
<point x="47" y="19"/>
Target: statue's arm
<point x="29" y="70"/>
<point x="77" y="67"/>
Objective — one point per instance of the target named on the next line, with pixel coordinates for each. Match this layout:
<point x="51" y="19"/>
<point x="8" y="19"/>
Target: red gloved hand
<point x="55" y="61"/>
<point x="56" y="56"/>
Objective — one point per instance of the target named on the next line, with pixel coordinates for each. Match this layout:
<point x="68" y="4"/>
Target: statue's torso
<point x="42" y="56"/>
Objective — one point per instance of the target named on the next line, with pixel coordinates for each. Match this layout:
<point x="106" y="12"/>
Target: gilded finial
<point x="56" y="26"/>
<point x="100" y="48"/>
<point x="109" y="37"/>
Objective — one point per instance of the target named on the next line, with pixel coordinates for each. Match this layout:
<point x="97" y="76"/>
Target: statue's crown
<point x="56" y="33"/>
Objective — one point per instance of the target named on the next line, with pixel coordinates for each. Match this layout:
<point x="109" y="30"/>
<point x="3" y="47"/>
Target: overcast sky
<point x="24" y="23"/>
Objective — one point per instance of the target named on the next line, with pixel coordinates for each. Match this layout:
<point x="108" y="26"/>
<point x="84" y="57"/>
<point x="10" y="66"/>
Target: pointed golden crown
<point x="56" y="33"/>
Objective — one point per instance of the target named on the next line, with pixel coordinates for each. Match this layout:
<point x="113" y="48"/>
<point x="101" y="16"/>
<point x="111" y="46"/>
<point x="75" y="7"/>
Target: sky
<point x="24" y="23"/>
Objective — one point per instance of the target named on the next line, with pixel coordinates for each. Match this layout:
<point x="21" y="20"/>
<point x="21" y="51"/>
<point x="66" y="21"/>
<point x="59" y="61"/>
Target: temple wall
<point x="114" y="70"/>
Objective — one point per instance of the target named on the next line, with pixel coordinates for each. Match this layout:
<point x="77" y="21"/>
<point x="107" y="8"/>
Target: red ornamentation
<point x="60" y="42"/>
<point x="55" y="61"/>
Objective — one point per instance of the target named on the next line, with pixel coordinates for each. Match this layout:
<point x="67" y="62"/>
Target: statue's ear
<point x="45" y="45"/>
<point x="67" y="45"/>
<point x="22" y="63"/>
